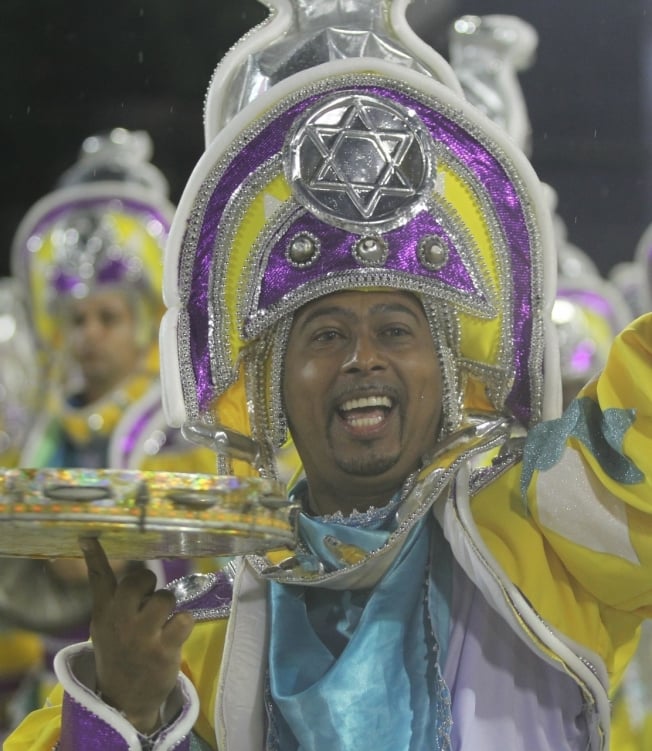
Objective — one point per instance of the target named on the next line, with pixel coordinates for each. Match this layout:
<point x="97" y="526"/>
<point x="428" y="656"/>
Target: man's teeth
<point x="364" y="422"/>
<point x="366" y="402"/>
<point x="368" y="419"/>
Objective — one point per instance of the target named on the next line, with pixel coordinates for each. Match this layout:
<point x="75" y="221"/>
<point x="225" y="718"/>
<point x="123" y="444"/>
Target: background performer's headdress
<point x="106" y="223"/>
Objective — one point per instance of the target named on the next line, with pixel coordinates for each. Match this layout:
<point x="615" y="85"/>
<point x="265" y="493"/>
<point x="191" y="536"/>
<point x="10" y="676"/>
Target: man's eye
<point x="325" y="335"/>
<point x="395" y="331"/>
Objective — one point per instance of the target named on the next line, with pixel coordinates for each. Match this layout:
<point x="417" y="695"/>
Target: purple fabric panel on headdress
<point x="80" y="728"/>
<point x="113" y="271"/>
<point x="64" y="283"/>
<point x="582" y="357"/>
<point x="588" y="299"/>
<point x="197" y="310"/>
<point x="336" y="257"/>
<point x="128" y="442"/>
<point x="90" y="203"/>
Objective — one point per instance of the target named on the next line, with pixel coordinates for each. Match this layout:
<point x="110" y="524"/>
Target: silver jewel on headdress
<point x="87" y="250"/>
<point x="370" y="251"/>
<point x="303" y="250"/>
<point x="358" y="161"/>
<point x="433" y="253"/>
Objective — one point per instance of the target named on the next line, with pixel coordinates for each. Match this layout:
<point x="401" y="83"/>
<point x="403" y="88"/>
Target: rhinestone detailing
<point x="303" y="250"/>
<point x="370" y="251"/>
<point x="433" y="254"/>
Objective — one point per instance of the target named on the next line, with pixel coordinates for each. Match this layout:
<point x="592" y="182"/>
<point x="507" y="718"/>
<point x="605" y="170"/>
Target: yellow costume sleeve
<point x="587" y="482"/>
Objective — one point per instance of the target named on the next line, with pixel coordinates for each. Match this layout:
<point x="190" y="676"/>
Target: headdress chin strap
<point x="264" y="363"/>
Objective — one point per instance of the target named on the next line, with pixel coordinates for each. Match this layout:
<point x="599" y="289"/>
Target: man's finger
<point x="100" y="574"/>
<point x="134" y="590"/>
<point x="178" y="629"/>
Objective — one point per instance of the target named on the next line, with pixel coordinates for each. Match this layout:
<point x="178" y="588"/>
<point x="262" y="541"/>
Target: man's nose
<point x="364" y="355"/>
<point x="91" y="328"/>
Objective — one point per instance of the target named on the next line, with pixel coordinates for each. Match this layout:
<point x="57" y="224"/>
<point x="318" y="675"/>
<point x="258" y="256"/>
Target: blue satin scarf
<point x="359" y="669"/>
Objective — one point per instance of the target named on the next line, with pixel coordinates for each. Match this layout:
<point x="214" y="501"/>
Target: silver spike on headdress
<point x="302" y="34"/>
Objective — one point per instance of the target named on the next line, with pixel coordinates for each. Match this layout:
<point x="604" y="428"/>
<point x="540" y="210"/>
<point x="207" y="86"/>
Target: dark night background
<point x="70" y="69"/>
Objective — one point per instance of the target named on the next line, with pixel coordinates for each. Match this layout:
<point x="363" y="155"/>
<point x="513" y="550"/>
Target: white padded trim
<point x="74" y="667"/>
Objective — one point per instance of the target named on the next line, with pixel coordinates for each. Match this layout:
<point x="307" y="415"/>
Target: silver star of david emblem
<point x="360" y="159"/>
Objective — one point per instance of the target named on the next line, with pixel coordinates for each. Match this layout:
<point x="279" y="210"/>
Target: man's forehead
<point x="103" y="296"/>
<point x="366" y="298"/>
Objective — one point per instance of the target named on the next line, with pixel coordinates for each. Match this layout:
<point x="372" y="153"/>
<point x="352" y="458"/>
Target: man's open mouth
<point x="366" y="412"/>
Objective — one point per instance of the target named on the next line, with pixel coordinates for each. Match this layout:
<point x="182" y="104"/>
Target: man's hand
<point x="137" y="643"/>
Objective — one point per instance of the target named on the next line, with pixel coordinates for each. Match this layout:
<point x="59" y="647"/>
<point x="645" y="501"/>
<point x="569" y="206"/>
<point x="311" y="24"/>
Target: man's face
<point x="362" y="390"/>
<point x="103" y="340"/>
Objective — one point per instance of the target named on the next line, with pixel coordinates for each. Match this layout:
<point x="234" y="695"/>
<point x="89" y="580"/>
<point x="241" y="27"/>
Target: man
<point x="361" y="264"/>
<point x="88" y="258"/>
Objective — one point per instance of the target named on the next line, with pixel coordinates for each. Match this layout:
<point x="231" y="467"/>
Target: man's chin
<point x="369" y="466"/>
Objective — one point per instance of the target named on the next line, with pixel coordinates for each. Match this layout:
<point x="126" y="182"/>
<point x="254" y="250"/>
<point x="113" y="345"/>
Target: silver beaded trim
<point x="190" y="588"/>
<point x="444" y="328"/>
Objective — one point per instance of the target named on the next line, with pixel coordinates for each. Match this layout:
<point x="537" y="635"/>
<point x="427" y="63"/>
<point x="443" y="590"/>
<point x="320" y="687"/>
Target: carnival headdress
<point x="19" y="376"/>
<point x="369" y="170"/>
<point x="643" y="261"/>
<point x="588" y="312"/>
<point x="487" y="53"/>
<point x="105" y="224"/>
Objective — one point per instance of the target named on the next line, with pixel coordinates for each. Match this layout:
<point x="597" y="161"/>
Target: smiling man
<point x="362" y="396"/>
<point x="361" y="271"/>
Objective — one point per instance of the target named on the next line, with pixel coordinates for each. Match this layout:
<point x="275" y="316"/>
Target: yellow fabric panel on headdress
<point x="130" y="230"/>
<point x="151" y="360"/>
<point x="230" y="409"/>
<point x="480" y="339"/>
<point x="247" y="232"/>
<point x="47" y="330"/>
